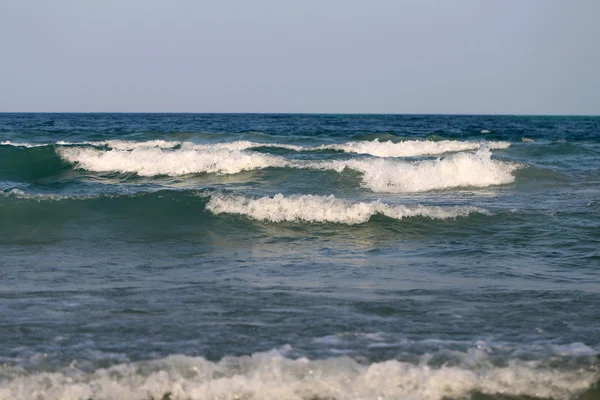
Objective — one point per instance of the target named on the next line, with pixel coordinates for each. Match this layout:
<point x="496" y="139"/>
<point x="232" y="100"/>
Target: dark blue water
<point x="193" y="256"/>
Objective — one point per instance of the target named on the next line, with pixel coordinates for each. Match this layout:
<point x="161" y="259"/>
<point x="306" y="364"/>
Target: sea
<point x="314" y="257"/>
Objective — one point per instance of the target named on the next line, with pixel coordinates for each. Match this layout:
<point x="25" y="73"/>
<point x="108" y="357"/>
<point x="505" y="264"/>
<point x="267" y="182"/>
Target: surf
<point x="153" y="161"/>
<point x="378" y="174"/>
<point x="459" y="170"/>
<point x="271" y="375"/>
<point x="321" y="209"/>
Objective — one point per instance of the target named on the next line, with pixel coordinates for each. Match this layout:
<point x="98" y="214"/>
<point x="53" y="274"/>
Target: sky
<point x="301" y="56"/>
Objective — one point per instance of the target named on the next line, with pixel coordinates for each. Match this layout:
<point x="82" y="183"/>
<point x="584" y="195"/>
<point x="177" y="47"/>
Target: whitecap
<point x="311" y="208"/>
<point x="272" y="376"/>
<point x="18" y="144"/>
<point x="151" y="161"/>
<point x="408" y="148"/>
<point x="459" y="170"/>
<point x="412" y="148"/>
<point x="380" y="175"/>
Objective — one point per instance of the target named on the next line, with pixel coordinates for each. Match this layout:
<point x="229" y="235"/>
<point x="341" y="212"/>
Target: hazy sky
<point x="377" y="56"/>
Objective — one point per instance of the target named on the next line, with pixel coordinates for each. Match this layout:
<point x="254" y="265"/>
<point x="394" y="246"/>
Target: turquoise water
<point x="192" y="256"/>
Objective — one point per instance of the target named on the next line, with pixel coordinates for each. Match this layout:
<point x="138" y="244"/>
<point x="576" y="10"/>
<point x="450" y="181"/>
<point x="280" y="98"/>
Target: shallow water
<point x="299" y="256"/>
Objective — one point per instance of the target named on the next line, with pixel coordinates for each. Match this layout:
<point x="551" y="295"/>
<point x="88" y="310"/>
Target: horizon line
<point x="302" y="113"/>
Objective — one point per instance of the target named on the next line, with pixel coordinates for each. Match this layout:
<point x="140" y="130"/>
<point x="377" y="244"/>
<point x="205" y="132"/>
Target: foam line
<point x="458" y="170"/>
<point x="378" y="174"/>
<point x="409" y="148"/>
<point x="309" y="208"/>
<point x="151" y="161"/>
<point x="17" y="144"/>
<point x="271" y="376"/>
<point x="413" y="148"/>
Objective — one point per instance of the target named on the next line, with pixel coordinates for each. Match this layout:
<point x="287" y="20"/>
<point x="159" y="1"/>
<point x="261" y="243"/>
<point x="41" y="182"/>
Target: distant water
<point x="174" y="256"/>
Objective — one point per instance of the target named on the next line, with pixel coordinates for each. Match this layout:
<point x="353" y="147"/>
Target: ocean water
<point x="193" y="256"/>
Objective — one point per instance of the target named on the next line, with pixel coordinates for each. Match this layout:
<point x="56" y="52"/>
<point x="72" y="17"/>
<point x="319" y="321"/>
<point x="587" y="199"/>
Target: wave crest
<point x="459" y="170"/>
<point x="378" y="174"/>
<point x="407" y="148"/>
<point x="413" y="148"/>
<point x="151" y="161"/>
<point x="311" y="208"/>
<point x="271" y="376"/>
<point x="17" y="144"/>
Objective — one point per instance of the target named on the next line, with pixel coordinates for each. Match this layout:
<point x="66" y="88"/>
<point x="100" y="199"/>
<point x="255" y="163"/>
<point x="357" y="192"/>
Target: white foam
<point x="380" y="175"/>
<point x="20" y="194"/>
<point x="13" y="192"/>
<point x="245" y="145"/>
<point x="576" y="348"/>
<point x="271" y="376"/>
<point x="412" y="148"/>
<point x="458" y="170"/>
<point x="167" y="144"/>
<point x="409" y="148"/>
<point x="150" y="161"/>
<point x="17" y="144"/>
<point x="309" y="208"/>
<point x="125" y="144"/>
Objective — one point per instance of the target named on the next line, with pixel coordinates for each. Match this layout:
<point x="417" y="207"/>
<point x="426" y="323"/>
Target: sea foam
<point x="125" y="144"/>
<point x="20" y="194"/>
<point x="408" y="148"/>
<point x="412" y="148"/>
<point x="271" y="376"/>
<point x="458" y="170"/>
<point x="310" y="208"/>
<point x="378" y="174"/>
<point x="17" y="144"/>
<point x="168" y="144"/>
<point x="151" y="161"/>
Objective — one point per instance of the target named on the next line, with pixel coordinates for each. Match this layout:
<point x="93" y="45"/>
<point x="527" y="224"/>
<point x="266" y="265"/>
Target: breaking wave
<point x="459" y="170"/>
<point x="17" y="144"/>
<point x="168" y="144"/>
<point x="408" y="148"/>
<point x="151" y="161"/>
<point x="271" y="376"/>
<point x="310" y="208"/>
<point x="20" y="194"/>
<point x="380" y="175"/>
<point x="413" y="148"/>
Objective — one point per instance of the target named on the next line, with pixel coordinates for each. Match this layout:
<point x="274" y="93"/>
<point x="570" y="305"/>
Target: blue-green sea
<point x="315" y="257"/>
